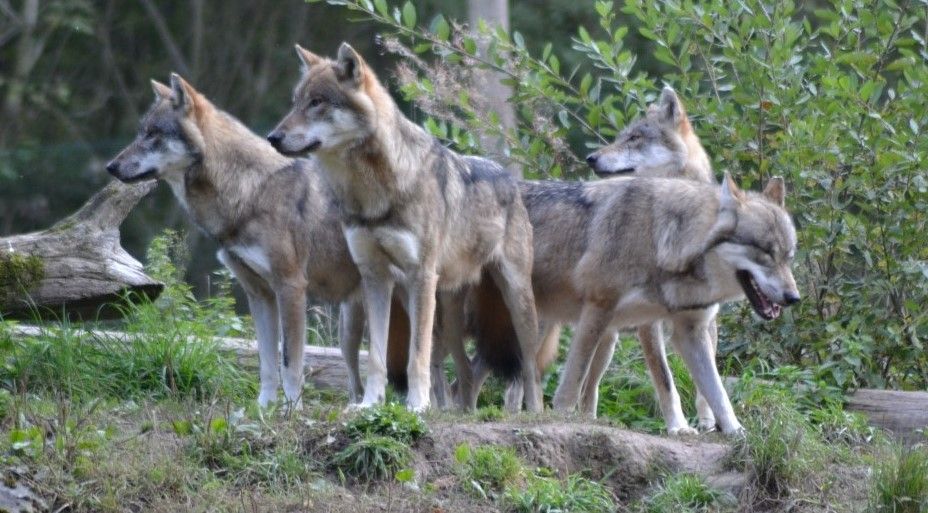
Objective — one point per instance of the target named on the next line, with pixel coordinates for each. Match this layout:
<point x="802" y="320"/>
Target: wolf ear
<point x="732" y="196"/>
<point x="162" y="92"/>
<point x="775" y="191"/>
<point x="309" y="59"/>
<point x="348" y="67"/>
<point x="670" y="109"/>
<point x="183" y="94"/>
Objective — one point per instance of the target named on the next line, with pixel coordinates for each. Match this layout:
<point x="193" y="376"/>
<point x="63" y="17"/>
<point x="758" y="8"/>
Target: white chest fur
<point x="255" y="257"/>
<point x="380" y="247"/>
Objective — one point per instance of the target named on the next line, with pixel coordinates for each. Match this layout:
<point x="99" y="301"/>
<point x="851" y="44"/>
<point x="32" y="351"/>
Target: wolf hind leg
<point x="350" y="332"/>
<point x="703" y="410"/>
<point x="514" y="281"/>
<point x="291" y="307"/>
<point x="594" y="321"/>
<point x="589" y="395"/>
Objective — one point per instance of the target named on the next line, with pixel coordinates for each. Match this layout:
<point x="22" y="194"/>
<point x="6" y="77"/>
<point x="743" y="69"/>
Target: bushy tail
<point x="490" y="323"/>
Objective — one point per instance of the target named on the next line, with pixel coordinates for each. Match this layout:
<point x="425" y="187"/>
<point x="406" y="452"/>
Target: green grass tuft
<point x="549" y="495"/>
<point x="391" y="420"/>
<point x="487" y="470"/>
<point x="682" y="493"/>
<point x="900" y="482"/>
<point x="373" y="458"/>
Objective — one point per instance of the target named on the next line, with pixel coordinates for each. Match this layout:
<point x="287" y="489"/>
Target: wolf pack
<point x="350" y="203"/>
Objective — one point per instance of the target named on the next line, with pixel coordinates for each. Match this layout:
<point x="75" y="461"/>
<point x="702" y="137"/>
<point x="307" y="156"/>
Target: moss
<point x="18" y="274"/>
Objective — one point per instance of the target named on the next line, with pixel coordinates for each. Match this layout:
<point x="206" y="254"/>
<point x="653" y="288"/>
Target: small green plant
<point x="373" y="458"/>
<point x="780" y="448"/>
<point x="487" y="470"/>
<point x="838" y="425"/>
<point x="576" y="494"/>
<point x="682" y="493"/>
<point x="391" y="420"/>
<point x="900" y="482"/>
<point x="490" y="413"/>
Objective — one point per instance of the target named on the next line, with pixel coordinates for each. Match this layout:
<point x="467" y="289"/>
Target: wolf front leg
<point x="692" y="341"/>
<point x="594" y="321"/>
<point x="350" y="331"/>
<point x="291" y="307"/>
<point x="703" y="410"/>
<point x="377" y="294"/>
<point x="651" y="338"/>
<point x="422" y="290"/>
<point x="264" y="312"/>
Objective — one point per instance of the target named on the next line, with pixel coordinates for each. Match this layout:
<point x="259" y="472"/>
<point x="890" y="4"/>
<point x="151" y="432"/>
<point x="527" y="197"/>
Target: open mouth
<point x="309" y="148"/>
<point x="149" y="174"/>
<point x="763" y="305"/>
<point x="614" y="172"/>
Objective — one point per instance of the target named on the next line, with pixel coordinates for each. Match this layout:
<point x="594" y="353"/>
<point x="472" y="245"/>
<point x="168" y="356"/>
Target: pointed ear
<point x="348" y="66"/>
<point x="670" y="109"/>
<point x="162" y="92"/>
<point x="775" y="191"/>
<point x="309" y="59"/>
<point x="183" y="94"/>
<point x="732" y="196"/>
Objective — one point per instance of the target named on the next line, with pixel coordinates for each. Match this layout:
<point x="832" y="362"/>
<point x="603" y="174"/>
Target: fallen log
<point x="77" y="266"/>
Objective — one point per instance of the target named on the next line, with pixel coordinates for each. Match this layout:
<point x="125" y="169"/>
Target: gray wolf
<point x="273" y="217"/>
<point x="413" y="213"/>
<point x="646" y="250"/>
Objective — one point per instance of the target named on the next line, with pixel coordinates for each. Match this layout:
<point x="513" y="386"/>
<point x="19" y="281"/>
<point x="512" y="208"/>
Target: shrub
<point x="390" y="420"/>
<point x="373" y="458"/>
<point x="682" y="493"/>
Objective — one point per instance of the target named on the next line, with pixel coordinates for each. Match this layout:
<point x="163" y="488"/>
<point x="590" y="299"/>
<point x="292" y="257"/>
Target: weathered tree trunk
<point x="77" y="266"/>
<point x="496" y="14"/>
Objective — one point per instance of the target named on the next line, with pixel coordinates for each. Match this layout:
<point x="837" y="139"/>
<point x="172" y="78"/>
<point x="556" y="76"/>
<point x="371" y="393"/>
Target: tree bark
<point x="78" y="265"/>
<point x="496" y="14"/>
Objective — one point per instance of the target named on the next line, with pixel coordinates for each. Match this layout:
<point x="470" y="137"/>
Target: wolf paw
<point x="682" y="431"/>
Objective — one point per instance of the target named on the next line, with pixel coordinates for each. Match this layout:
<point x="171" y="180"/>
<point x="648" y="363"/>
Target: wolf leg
<point x="350" y="331"/>
<point x="377" y="294"/>
<point x="513" y="280"/>
<point x="291" y="307"/>
<point x="589" y="395"/>
<point x="703" y="410"/>
<point x="594" y="320"/>
<point x="264" y="312"/>
<point x="691" y="338"/>
<point x="651" y="338"/>
<point x="451" y="339"/>
<point x="421" y="320"/>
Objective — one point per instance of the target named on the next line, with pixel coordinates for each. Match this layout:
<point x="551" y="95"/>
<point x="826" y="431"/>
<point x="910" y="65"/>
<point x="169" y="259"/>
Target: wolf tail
<point x="490" y="323"/>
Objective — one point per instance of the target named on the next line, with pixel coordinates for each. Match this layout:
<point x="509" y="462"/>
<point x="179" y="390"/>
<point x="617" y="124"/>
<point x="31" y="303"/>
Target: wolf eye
<point x="633" y="137"/>
<point x="315" y="102"/>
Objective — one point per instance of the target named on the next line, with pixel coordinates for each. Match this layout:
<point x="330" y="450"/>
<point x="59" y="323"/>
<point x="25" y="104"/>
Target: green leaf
<point x="405" y="475"/>
<point x="409" y="15"/>
<point x="382" y="8"/>
<point x="440" y="28"/>
<point x="470" y="46"/>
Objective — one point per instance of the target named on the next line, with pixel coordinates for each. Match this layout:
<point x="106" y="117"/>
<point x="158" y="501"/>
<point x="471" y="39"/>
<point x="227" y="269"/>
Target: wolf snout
<point x="276" y="138"/>
<point x="790" y="298"/>
<point x="113" y="168"/>
<point x="591" y="159"/>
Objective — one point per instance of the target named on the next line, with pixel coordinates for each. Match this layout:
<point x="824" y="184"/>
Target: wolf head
<point x="335" y="104"/>
<point x="761" y="246"/>
<point x="169" y="140"/>
<point x="660" y="144"/>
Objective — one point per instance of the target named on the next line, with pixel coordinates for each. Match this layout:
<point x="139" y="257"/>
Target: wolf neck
<point x="224" y="185"/>
<point x="374" y="176"/>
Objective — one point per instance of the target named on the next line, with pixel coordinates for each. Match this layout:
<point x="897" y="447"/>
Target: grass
<point x="391" y="420"/>
<point x="682" y="493"/>
<point x="487" y="470"/>
<point x="373" y="458"/>
<point x="900" y="482"/>
<point x="543" y="494"/>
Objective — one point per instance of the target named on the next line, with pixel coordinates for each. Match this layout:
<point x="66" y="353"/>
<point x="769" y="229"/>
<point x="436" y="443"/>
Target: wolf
<point x="660" y="144"/>
<point x="646" y="250"/>
<point x="273" y="217"/>
<point x="414" y="213"/>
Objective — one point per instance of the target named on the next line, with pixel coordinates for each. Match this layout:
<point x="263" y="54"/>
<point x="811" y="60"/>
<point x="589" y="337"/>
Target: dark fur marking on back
<point x="551" y="191"/>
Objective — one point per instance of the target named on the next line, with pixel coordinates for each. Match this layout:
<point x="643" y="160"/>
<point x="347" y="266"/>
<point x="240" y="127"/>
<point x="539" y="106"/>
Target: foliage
<point x="373" y="458"/>
<point x="18" y="274"/>
<point x="487" y="470"/>
<point x="683" y="493"/>
<point x="489" y="413"/>
<point x="391" y="420"/>
<point x="832" y="98"/>
<point x="576" y="494"/>
<point x="900" y="482"/>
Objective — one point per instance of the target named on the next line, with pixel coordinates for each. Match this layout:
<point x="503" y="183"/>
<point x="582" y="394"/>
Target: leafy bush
<point x="832" y="96"/>
<point x="487" y="470"/>
<point x="391" y="420"/>
<point x="576" y="494"/>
